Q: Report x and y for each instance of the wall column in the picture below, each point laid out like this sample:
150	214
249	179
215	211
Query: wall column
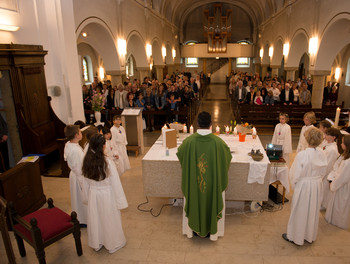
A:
205	65
116	76
143	72
257	67
275	69
263	70
318	83
229	66
290	73
159	72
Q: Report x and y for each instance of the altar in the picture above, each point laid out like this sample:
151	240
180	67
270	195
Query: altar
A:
162	173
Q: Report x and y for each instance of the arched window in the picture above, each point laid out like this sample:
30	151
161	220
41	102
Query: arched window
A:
347	79
85	70
130	67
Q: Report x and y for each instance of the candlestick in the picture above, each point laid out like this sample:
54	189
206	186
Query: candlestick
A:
235	131
191	129
337	115
230	128
185	129
227	130
217	129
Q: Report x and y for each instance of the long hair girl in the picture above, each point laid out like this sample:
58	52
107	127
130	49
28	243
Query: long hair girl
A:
94	164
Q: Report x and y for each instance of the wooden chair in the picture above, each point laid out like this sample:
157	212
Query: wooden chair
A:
44	227
5	233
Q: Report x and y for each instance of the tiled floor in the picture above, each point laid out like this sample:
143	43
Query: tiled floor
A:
249	237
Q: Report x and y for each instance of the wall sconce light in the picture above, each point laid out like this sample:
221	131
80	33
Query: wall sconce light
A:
163	53
270	52
285	49
149	50
101	72
337	73
9	27
174	53
261	53
313	42
151	66
122	50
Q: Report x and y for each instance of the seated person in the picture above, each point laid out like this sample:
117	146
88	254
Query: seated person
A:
140	102
269	98
258	100
287	95
250	96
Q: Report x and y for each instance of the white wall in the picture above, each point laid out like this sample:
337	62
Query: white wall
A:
50	23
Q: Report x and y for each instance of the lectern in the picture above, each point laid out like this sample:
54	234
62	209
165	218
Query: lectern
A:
132	123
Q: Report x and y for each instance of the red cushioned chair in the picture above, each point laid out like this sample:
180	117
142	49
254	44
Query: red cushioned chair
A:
44	227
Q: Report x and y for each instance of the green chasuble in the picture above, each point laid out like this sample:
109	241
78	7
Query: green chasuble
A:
205	161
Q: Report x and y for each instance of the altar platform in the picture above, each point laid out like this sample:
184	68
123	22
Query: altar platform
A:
162	174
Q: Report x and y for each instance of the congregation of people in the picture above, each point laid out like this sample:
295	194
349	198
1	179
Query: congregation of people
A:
249	88
175	92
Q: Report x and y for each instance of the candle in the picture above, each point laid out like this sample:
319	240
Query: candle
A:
337	115
235	131
254	133
217	129
230	128
227	130
191	129
185	129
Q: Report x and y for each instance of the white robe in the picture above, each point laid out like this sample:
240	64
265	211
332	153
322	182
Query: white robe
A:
119	143
302	144
338	206
306	175
111	153
283	136
74	155
105	199
331	151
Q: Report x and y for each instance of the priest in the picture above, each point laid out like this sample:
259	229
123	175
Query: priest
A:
205	160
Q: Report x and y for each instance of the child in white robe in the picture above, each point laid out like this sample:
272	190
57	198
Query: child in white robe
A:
306	175
74	155
119	143
338	206
89	132
283	136
324	126
104	195
109	151
330	148
309	120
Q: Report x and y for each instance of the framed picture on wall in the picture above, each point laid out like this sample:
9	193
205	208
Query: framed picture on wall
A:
11	5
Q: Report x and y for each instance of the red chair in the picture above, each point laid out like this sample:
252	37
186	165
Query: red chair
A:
44	227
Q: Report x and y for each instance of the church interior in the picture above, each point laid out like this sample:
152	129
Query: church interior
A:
50	49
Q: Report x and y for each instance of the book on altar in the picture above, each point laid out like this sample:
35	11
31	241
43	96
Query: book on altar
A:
169	138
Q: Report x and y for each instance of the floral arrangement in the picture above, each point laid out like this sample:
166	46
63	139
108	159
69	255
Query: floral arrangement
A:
97	102
244	128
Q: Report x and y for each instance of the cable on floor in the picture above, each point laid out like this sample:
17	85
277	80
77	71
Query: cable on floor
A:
151	210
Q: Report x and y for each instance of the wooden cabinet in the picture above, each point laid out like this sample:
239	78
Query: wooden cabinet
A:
38	126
